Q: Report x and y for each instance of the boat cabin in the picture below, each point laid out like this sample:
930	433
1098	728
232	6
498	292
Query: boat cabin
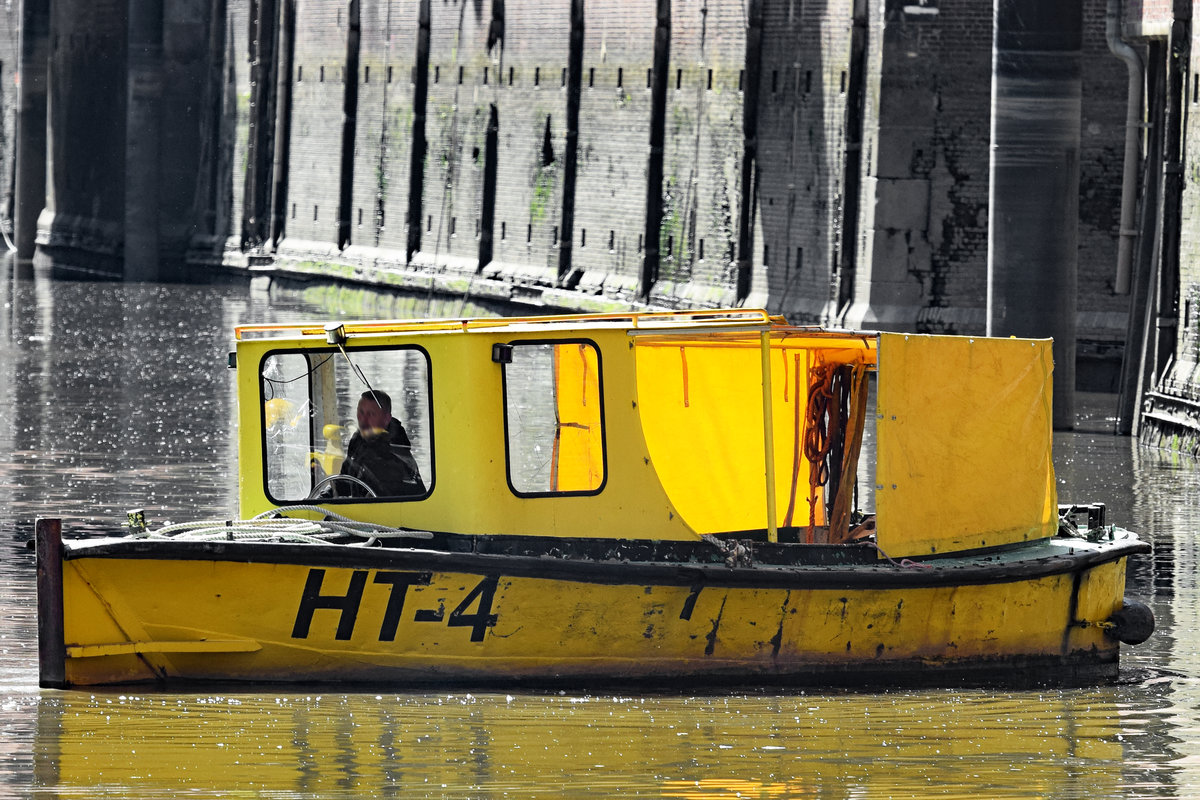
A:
658	426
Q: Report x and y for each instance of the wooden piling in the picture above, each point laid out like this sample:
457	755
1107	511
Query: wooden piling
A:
52	648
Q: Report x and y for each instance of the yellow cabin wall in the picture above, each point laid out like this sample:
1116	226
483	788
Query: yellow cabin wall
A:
470	488
579	452
250	470
963	431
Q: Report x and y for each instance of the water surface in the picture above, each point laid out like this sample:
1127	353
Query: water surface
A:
117	396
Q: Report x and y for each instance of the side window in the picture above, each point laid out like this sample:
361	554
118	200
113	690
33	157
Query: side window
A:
287	424
553	418
323	440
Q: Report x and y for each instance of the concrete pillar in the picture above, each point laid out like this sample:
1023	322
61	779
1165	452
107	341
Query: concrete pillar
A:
487	214
571	146
416	171
31	125
892	280
283	119
349	127
654	167
260	140
1166	323
143	128
1034	197
749	187
186	129
842	285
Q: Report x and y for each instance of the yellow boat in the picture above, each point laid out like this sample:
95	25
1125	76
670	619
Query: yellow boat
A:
665	498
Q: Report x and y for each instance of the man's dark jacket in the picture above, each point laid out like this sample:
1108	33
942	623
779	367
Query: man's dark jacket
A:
384	462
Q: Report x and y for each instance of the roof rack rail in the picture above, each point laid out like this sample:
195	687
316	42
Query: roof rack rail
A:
638	319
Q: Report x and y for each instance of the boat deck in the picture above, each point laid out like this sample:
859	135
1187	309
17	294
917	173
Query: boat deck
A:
718	561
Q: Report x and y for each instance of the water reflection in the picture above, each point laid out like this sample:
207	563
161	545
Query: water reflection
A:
113	402
116	396
1057	745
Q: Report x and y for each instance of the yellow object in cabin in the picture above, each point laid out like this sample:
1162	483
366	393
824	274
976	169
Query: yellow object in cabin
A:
278	412
330	459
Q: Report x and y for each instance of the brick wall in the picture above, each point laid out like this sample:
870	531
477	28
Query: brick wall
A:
456	124
921	244
802	114
921	247
614	143
318	92
383	135
923	251
531	102
702	158
1102	313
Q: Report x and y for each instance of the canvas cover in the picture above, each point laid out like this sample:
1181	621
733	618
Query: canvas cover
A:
964	443
700	399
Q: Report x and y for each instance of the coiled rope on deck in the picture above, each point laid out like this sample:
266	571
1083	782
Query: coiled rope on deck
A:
272	526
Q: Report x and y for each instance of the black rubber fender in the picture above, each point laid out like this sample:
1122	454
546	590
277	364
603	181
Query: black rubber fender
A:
1133	623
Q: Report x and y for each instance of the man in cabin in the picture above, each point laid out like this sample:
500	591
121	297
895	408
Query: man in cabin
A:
379	453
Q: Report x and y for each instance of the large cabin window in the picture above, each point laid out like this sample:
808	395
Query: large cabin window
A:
324	441
554	419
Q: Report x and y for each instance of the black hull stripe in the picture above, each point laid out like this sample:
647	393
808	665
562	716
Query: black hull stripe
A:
615	573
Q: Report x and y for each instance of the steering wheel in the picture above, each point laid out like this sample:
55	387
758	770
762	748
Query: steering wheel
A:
329	479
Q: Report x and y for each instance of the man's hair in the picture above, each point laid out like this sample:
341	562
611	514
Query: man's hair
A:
382	398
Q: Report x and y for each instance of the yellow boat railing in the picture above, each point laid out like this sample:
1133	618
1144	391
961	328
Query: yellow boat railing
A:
753	318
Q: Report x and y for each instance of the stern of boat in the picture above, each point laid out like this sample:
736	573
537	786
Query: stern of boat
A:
79	641
91	620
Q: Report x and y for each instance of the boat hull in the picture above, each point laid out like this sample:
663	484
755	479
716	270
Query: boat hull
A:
155	612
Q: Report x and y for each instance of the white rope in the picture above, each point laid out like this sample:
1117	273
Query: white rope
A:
272	526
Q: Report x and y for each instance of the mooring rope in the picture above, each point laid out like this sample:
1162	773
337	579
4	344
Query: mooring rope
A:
272	526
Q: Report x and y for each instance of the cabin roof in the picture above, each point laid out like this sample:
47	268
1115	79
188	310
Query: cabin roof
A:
667	323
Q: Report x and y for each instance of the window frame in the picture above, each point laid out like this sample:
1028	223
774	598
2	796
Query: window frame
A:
514	343
264	477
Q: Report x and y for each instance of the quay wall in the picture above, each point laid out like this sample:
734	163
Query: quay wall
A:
827	161
752	214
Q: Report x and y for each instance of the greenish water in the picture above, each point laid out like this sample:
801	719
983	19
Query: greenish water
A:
116	396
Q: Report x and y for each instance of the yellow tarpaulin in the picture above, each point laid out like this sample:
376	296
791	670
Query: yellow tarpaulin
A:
964	443
701	414
701	405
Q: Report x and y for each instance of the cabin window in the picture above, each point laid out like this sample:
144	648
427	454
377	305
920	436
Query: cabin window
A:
554	418
312	446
